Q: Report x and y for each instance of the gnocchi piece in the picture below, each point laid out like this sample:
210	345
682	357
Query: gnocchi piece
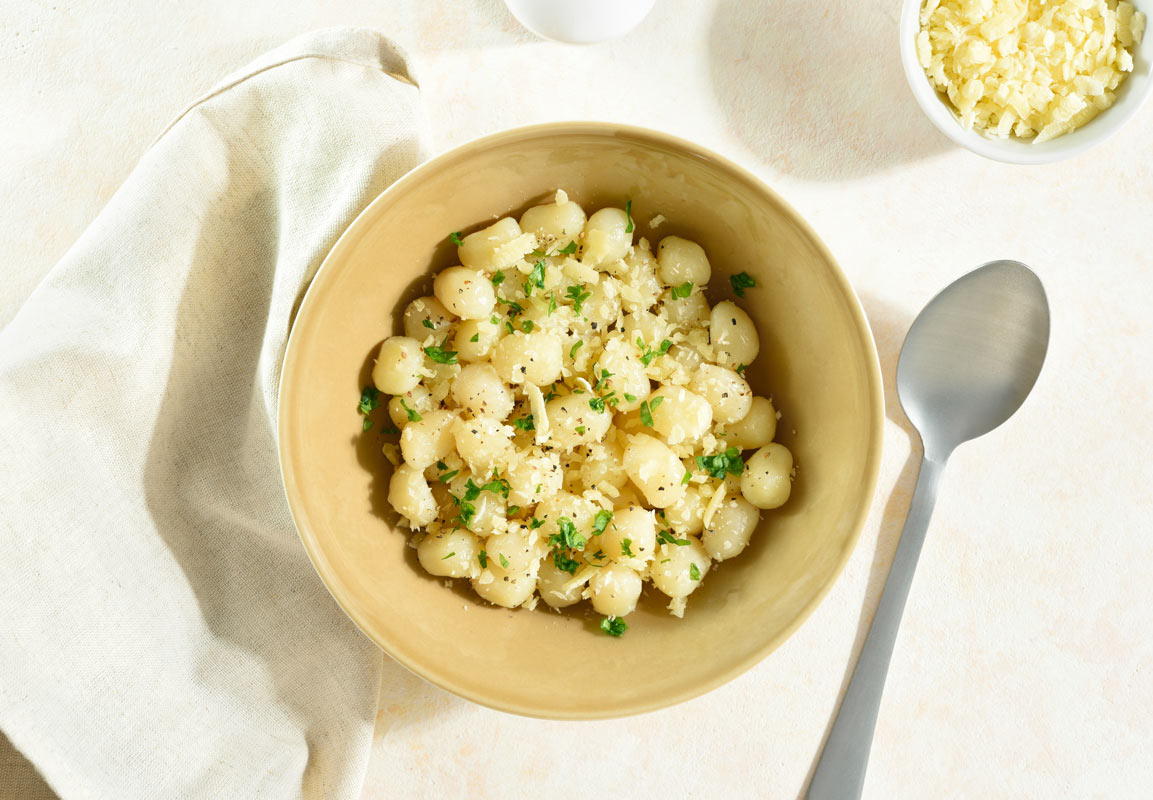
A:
682	260
535	358
483	443
424	317
655	469
767	479
452	554
509	580
686	516
727	392
480	392
686	311
680	415
733	335
558	588
730	528
398	365
607	237
404	407
498	246
559	222
572	421
475	338
429	440
756	429
678	570
631	535
615	590
410	495
625	374
534	479
465	292
602	465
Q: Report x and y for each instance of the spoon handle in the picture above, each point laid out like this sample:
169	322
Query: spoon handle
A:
840	774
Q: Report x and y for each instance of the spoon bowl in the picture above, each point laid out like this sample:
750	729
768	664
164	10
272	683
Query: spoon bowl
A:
968	363
973	354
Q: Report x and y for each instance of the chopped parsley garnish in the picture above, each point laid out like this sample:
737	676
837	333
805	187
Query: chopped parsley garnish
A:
441	465
439	354
535	278
413	416
426	322
512	510
496	486
721	464
564	562
647	355
683	291
630	398
601	521
482	557
455	238
514	307
572	352
504	561
597	404
551	302
578	297
568	535
627	547
688	477
647	409
742	281
369	399
445	477
526	326
498	277
629	213
535	523
694	572
667	537
467	512
475	337
581	429
614	626
524	423
366	425
741	368
605	375
568	249
508	325
389	429
450	555
494	319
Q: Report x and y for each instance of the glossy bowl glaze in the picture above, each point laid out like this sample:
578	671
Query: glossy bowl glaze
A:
817	361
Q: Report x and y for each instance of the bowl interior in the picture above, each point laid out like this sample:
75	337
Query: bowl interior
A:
1130	95
817	361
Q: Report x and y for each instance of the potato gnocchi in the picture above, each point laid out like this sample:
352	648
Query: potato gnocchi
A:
574	418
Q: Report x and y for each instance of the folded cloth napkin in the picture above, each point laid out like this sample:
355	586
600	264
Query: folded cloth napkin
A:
163	633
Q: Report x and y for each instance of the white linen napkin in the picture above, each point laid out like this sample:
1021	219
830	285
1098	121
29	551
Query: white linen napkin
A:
163	633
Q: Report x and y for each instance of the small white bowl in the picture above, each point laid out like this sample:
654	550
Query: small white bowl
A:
1130	95
580	21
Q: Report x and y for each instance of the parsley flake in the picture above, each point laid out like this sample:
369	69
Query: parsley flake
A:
647	409
439	354
629	213
527	326
455	238
475	337
742	281
525	423
627	548
498	278
445	477
568	249
578	297
601	521
572	352
694	572
741	368
450	555
413	416
369	399
721	464
683	291
504	561
614	626
688	477
426	322
482	557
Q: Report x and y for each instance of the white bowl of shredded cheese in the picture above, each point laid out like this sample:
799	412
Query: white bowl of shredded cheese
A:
1027	81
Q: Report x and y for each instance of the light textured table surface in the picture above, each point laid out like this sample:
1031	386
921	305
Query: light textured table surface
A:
1023	664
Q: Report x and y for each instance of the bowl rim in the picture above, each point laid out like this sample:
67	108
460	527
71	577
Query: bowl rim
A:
1012	150
302	522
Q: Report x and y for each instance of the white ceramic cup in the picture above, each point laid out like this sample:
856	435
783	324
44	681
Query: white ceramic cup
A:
580	21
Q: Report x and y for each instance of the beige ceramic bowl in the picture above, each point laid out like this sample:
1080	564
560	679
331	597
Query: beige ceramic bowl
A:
817	361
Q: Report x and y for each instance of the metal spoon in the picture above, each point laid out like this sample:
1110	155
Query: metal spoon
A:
970	359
